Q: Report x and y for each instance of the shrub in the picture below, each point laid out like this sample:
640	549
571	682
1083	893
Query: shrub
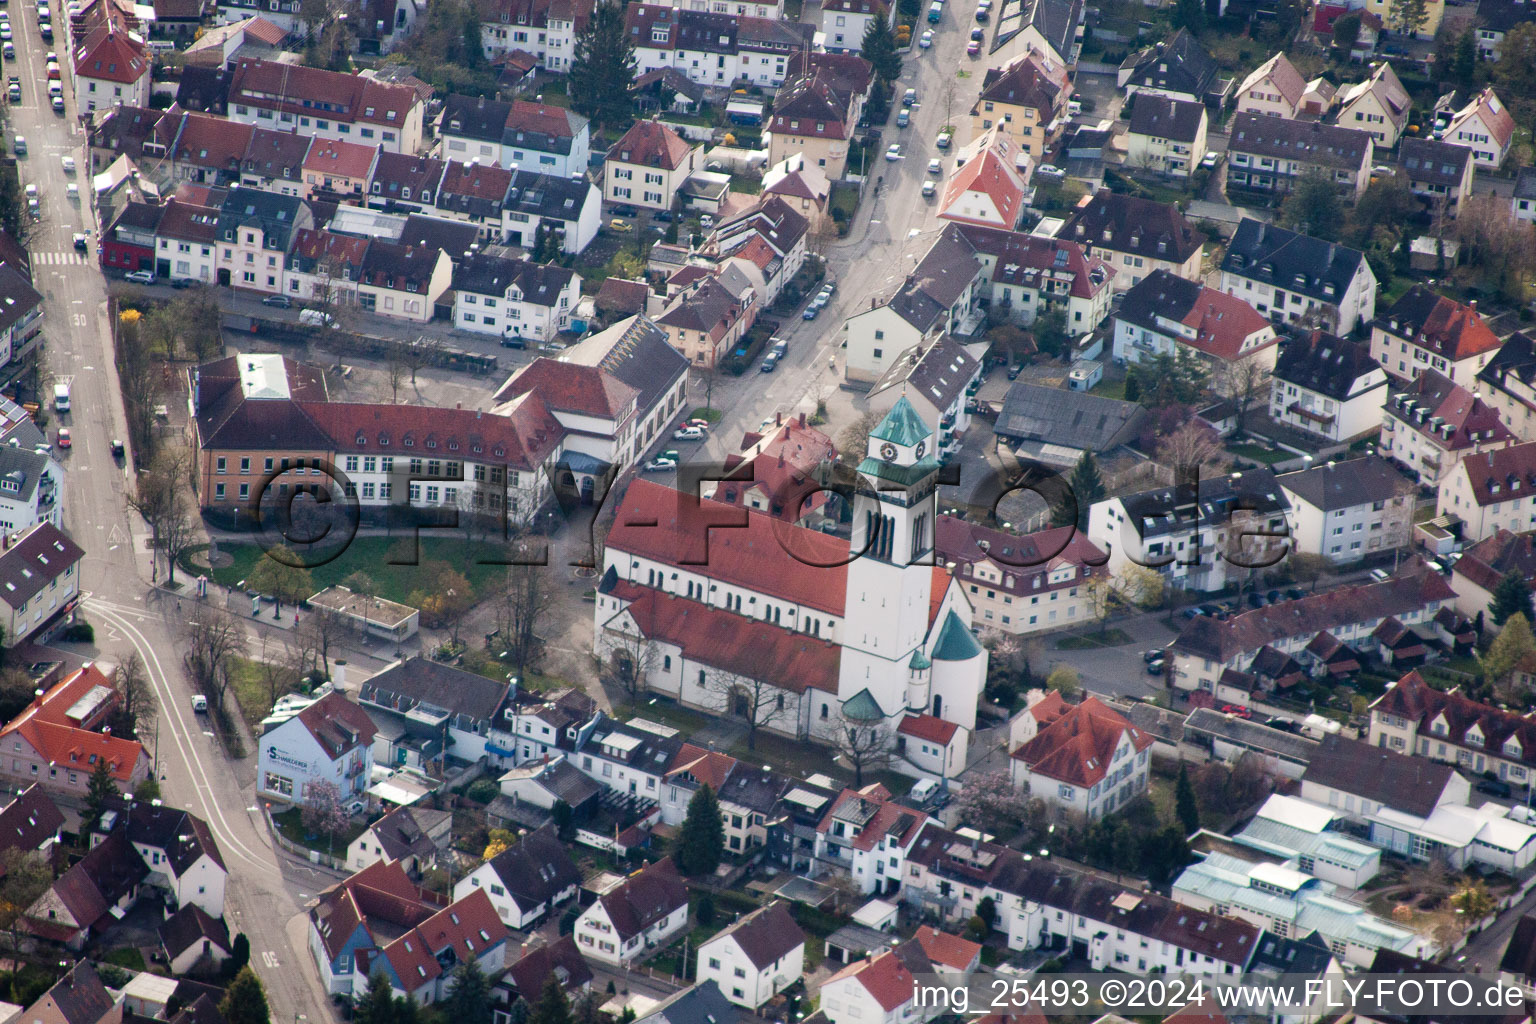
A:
482	791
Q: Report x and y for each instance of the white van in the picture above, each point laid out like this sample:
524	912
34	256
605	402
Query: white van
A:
61	397
315	318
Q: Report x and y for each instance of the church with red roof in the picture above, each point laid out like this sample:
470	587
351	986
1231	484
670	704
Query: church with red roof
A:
712	600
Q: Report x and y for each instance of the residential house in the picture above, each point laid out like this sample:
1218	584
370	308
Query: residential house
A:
177	849
1494	19
328	741
1273	89
1207	647
756	958
989	184
475	193
1328	387
1432	424
1291	277
1053	28
1486	491
810	118
1167	135
559	959
766	243
1168	315
935	378
518	135
31	822
1020	584
339	168
1518	965
405	181
1058	426
255	234
647	166
1424	330
545	728
1485	126
844	23
527	880
804	188
1477	573
1179	69
21	314
705	322
324	267
327	105
1271	154
695	1004
1437	171
1379	105
78	997
537	34
411	835
1393	15
881	989
949	954
868	835
192	939
1195	533
186	242
111	66
570	207
533	788
376	922
780	471
716	49
128	243
60	737
1028	97
513	299
646	910
1509	383
1523	199
402	282
39	569
1345	511
1090	760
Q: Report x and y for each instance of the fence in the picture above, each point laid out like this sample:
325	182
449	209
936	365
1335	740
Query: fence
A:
313	856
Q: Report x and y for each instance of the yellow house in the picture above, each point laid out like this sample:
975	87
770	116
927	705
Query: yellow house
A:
1390	13
1026	97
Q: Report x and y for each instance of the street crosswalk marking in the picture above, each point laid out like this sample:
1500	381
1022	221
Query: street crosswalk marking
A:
60	259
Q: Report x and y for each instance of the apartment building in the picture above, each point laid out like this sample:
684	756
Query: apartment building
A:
1292	277
1328	387
1165	315
327	104
1028	97
1346	511
1020	584
1090	760
1494	489
1424	330
1432	424
648	165
1138	237
1271	154
1167	136
1413	717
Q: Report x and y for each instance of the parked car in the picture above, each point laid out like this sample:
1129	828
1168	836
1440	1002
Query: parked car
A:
978	35
688	434
1496	787
1192	613
199	703
117	449
1236	710
1380	575
618	225
19	145
935	166
140	276
81	240
1282	724
909	97
280	301
903	117
1155	654
926	39
625	211
1295	593
1209	160
64	438
69	165
182	282
1014	371
1155	668
973	48
770	361
811	312
946	136
58	104
659	465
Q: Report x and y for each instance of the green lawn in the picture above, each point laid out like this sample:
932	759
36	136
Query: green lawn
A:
291	824
704	412
373	555
249	688
1110	389
1268	456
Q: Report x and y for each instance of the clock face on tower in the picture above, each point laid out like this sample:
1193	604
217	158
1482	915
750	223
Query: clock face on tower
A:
922	446
888	452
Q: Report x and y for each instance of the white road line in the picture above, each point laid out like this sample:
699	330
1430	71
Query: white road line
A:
181	734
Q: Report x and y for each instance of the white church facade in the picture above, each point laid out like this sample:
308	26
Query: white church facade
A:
739	613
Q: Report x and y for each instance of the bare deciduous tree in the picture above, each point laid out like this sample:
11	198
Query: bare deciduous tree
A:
159	497
524	604
279	665
1244	381
630	660
758	703
138	698
214	637
865	745
853	442
419	354
1193	446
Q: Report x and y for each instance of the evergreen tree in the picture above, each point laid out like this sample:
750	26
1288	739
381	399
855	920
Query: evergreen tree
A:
101	790
1184	796
469	1000
1314	207
1132	388
702	838
1512	594
879	48
239	955
378	1003
1087	486
552	1006
245	1001
1189	14
518	1011
1464	60
602	68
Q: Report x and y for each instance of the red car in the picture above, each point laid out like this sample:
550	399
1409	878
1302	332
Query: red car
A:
64	441
1236	709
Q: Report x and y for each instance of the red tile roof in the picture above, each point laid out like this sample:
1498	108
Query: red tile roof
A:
739	546
731	643
709	767
468	927
296	89
343	159
1223	323
1414	699
536	117
885	978
784	470
1502	474
110	54
571	387
990	175
47	726
522	435
651	144
947	950
212	142
479	181
1465	420
926	727
1077	747
1441	325
338	724
889	821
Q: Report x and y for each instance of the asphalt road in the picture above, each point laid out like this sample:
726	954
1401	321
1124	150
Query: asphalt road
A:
265	889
